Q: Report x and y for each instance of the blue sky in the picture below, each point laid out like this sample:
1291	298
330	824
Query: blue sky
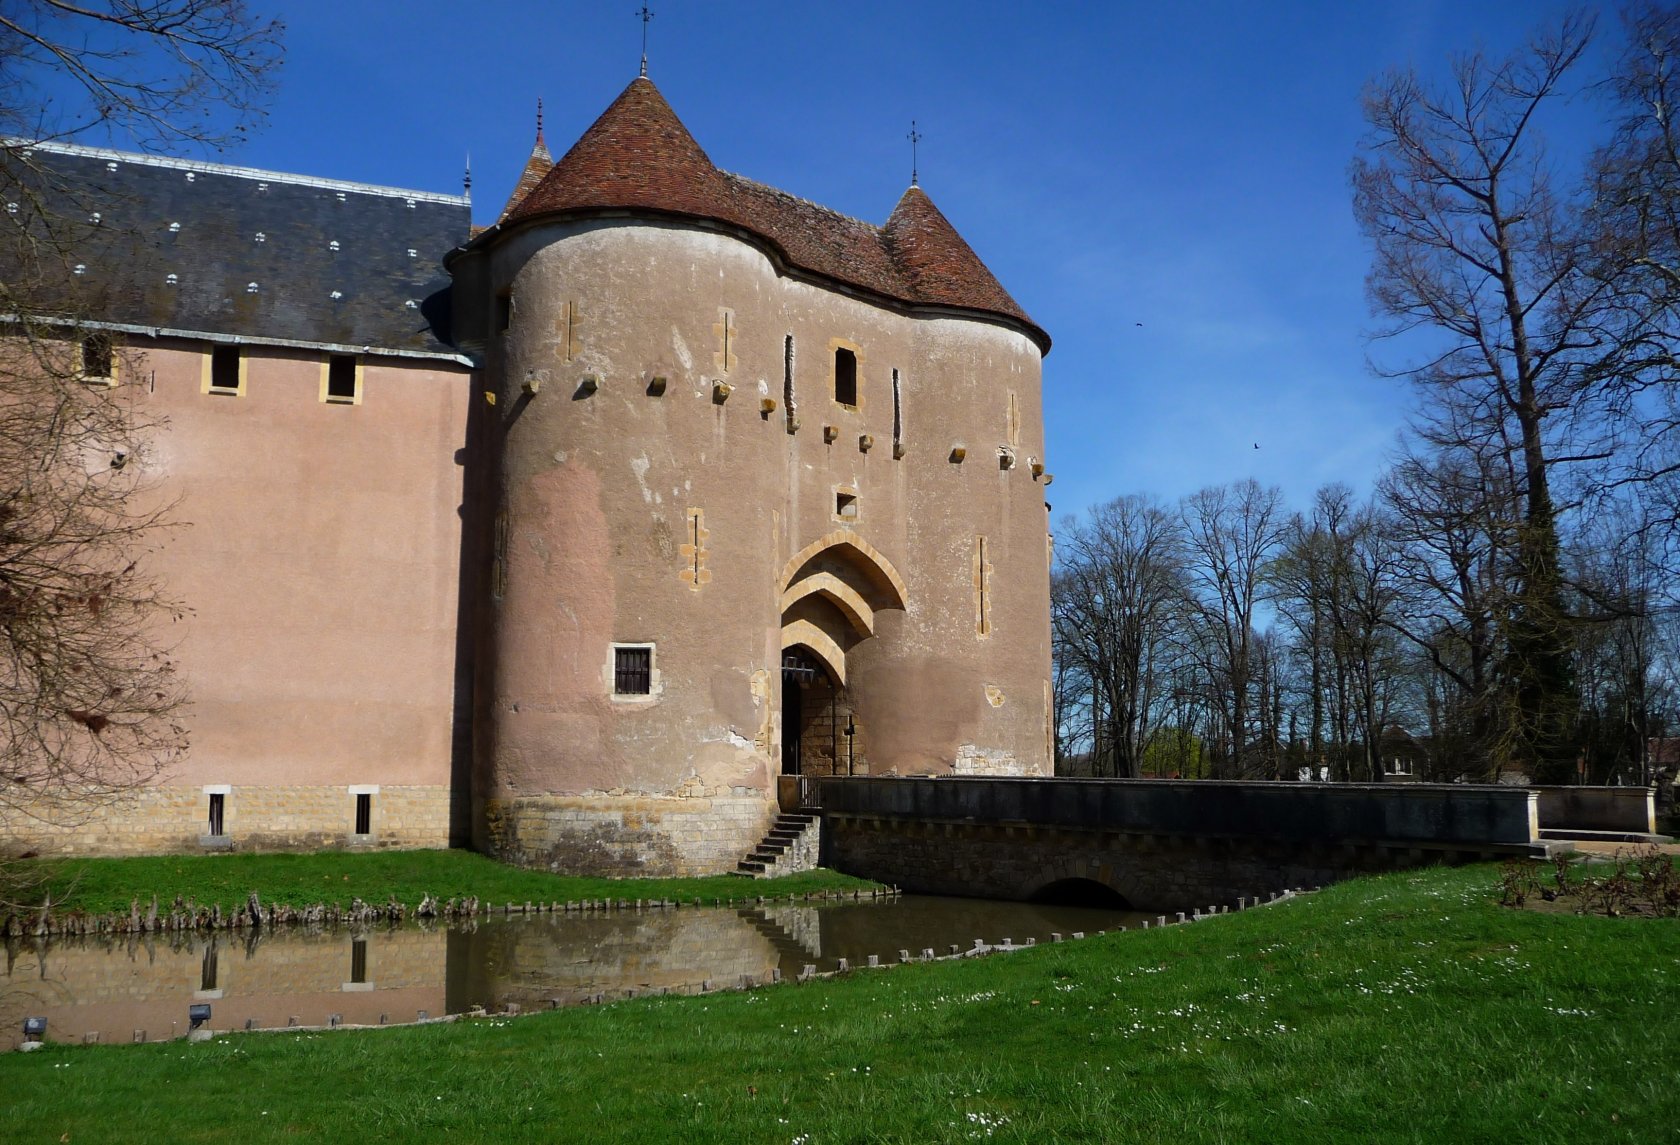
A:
1182	166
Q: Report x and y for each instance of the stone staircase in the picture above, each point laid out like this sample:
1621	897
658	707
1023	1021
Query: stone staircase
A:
793	844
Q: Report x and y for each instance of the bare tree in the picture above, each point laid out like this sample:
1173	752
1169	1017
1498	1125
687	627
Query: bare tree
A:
1230	534
1473	243
1453	516
1118	591
88	699
162	72
1336	582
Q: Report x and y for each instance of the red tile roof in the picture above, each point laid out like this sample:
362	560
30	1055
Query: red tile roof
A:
538	165
638	155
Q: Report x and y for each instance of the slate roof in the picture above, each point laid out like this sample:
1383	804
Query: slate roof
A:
189	247
638	155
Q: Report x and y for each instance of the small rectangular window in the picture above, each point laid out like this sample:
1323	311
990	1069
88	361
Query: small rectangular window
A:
364	814
98	361
358	961
846	506
845	377
504	311
218	805
227	373
343	385
207	973
633	671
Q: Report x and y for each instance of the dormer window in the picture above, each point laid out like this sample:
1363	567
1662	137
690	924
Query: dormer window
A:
224	371
341	380
98	360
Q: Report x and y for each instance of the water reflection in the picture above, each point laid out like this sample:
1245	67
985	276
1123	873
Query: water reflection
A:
128	987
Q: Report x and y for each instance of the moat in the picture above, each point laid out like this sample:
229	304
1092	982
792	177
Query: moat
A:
123	988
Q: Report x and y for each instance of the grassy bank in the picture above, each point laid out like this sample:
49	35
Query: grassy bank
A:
1401	1008
103	886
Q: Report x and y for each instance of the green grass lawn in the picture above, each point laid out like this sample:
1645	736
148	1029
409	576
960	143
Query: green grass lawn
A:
1402	1008
102	886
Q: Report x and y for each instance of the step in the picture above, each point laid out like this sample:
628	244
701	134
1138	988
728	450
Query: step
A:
1579	835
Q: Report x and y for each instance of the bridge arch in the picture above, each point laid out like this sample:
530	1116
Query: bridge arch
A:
1080	875
1080	892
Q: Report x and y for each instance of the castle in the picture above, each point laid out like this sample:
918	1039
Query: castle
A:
676	486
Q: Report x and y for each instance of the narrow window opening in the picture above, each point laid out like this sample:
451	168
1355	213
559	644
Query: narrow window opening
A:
845	377
1012	422
983	604
846	506
208	972
341	378
725	328
898	412
224	369
358	960
218	806
364	814
97	358
633	671
787	384
504	311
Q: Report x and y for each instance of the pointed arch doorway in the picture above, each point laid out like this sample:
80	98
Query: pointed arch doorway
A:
831	593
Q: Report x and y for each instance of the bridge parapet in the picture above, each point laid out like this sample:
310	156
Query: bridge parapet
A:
1413	813
1161	845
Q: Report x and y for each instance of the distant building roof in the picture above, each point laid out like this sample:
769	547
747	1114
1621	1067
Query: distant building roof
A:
204	248
638	155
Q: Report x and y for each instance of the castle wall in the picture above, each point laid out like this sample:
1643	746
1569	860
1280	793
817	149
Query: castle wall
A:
650	491
316	548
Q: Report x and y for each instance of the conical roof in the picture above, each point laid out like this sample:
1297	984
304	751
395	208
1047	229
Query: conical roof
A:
939	265
639	156
538	165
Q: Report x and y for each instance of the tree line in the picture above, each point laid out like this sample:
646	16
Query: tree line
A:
1505	599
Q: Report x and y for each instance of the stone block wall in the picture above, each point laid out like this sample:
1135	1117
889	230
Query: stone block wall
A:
624	836
171	820
1630	809
1152	872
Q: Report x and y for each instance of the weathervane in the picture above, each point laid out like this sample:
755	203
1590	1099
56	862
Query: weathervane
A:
646	15
914	137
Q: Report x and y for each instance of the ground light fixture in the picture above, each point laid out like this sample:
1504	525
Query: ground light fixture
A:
34	1029
198	1013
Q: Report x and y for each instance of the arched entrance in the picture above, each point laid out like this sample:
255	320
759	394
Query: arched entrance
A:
831	592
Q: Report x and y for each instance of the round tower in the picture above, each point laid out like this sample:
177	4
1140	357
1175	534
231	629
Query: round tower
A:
761	495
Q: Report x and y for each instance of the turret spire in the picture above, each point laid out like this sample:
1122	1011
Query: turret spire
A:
647	15
914	137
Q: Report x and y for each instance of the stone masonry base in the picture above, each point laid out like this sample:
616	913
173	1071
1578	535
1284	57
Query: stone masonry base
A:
627	835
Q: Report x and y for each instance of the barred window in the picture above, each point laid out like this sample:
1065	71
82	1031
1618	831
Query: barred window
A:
633	670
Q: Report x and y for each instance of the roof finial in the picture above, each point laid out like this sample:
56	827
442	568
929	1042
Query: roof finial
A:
914	137
539	119
647	15
466	179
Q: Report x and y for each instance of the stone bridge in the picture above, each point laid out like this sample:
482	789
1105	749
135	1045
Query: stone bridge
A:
1159	845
